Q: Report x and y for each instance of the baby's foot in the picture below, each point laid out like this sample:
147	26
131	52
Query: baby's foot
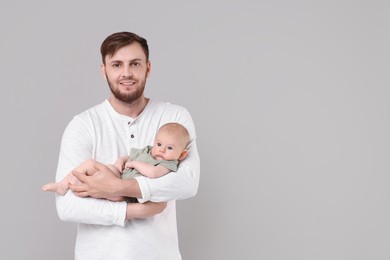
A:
54	187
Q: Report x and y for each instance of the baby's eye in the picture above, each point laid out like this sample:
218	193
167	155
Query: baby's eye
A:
158	144
170	148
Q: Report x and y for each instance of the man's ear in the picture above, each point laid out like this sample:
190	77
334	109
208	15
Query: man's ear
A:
148	68
183	155
103	69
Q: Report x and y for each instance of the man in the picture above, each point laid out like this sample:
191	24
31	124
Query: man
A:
110	229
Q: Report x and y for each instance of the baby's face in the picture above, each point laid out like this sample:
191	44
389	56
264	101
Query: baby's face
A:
167	147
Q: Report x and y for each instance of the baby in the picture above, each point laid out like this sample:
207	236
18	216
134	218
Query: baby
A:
169	148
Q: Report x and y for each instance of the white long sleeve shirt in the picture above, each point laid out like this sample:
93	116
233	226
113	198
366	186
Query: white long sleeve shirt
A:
101	133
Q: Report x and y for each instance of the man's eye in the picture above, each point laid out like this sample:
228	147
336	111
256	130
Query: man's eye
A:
135	64
115	65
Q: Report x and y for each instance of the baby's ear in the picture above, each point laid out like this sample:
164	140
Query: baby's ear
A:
183	155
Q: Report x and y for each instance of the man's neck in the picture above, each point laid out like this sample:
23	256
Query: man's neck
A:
133	109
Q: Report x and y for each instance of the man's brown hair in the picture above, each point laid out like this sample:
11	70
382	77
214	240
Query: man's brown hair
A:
118	40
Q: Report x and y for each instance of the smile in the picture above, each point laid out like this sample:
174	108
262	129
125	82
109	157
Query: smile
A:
127	82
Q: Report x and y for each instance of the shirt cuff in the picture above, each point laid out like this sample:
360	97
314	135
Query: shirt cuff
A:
144	188
121	214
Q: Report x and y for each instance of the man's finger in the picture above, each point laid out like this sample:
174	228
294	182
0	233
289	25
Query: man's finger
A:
79	175
77	187
100	166
82	194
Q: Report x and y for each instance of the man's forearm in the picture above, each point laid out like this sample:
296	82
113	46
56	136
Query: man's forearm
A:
173	186
90	211
105	185
144	210
128	188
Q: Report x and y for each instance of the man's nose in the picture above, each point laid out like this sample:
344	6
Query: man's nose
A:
127	72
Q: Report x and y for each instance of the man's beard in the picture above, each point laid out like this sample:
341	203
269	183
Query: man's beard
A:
127	97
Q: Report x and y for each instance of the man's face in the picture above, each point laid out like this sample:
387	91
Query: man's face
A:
126	73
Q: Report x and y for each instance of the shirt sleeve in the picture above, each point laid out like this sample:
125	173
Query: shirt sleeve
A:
181	184
76	147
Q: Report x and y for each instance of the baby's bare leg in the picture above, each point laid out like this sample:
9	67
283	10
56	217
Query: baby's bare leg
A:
62	186
87	167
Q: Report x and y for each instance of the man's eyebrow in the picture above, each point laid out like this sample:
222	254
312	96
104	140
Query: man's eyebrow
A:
116	61
121	61
137	59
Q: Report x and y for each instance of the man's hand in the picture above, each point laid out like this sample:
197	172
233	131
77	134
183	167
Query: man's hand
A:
102	184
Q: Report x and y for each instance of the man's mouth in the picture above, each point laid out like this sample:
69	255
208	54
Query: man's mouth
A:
127	82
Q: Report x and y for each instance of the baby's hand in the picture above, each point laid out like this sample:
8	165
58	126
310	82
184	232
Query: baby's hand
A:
120	163
129	165
119	166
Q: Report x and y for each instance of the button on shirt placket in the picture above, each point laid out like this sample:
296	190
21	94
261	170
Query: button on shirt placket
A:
133	136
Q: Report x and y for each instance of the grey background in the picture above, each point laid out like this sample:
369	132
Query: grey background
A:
290	102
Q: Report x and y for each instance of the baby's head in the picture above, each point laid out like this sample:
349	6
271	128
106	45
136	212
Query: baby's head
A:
171	142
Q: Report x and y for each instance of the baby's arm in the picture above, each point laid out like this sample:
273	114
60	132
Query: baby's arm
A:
146	169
